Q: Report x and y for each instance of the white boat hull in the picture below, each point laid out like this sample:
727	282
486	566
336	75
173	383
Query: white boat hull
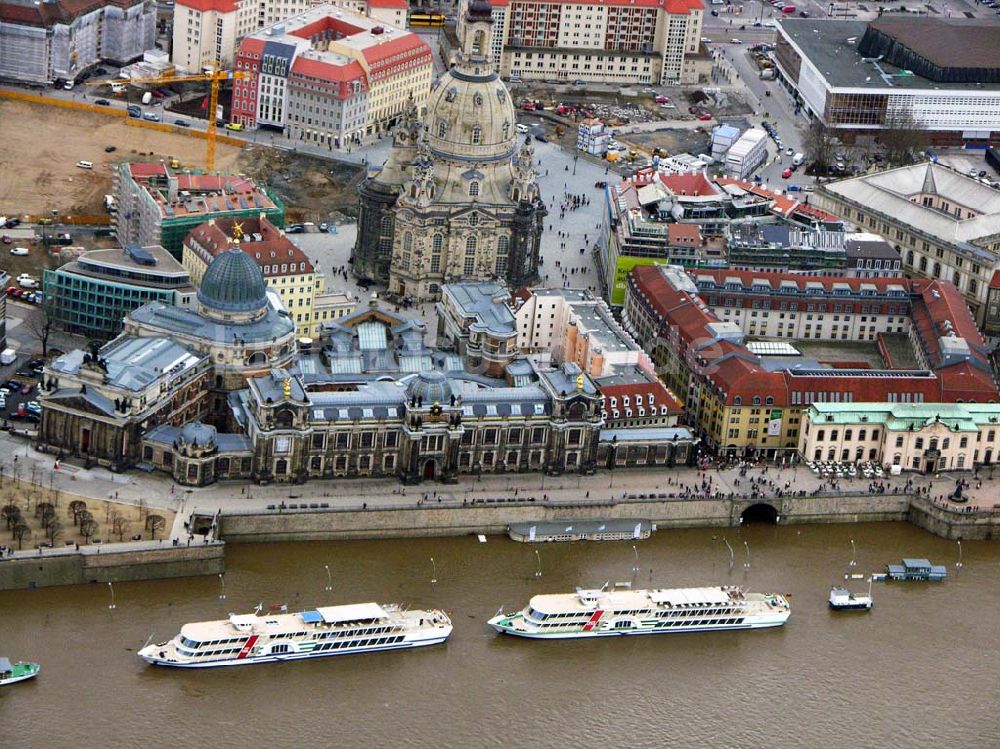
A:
148	654
763	623
15	679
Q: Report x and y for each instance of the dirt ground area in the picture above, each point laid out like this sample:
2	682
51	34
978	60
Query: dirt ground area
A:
693	142
112	519
311	188
41	146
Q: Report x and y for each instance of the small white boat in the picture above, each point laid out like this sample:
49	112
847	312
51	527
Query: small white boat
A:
841	599
10	673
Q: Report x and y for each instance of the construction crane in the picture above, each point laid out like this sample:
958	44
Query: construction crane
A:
214	77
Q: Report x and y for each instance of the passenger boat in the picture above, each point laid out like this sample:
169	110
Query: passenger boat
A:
11	673
270	637
622	611
841	599
917	569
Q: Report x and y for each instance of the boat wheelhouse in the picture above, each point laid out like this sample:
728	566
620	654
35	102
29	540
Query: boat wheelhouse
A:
328	630
622	611
841	599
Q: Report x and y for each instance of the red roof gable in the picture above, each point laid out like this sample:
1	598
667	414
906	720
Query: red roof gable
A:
400	44
400	4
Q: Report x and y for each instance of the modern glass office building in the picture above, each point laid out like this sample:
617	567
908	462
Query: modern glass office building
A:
92	294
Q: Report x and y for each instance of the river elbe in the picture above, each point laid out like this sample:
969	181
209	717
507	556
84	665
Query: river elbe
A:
921	670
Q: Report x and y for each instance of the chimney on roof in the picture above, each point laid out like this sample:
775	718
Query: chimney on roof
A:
171	188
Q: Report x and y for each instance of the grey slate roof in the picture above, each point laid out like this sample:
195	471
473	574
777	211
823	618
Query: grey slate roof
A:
169	318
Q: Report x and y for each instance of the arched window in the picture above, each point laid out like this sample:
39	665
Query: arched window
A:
442	128
769	400
470	245
477	135
258	357
436	244
407	242
738	401
506	130
756	400
386	226
503	247
478	43
473	188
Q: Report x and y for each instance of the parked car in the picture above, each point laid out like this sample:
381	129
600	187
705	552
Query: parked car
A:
33	407
12	289
182	123
13	385
704	116
27	282
294	229
27	389
151	117
20	251
234	126
11	223
102	103
7	239
541	138
110	149
662	99
134	111
786	174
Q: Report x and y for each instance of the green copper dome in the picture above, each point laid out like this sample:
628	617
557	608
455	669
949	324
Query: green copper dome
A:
233	283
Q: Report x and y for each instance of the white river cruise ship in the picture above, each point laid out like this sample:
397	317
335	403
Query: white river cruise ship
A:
622	611
269	637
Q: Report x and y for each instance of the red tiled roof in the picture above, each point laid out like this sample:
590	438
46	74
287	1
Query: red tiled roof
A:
324	24
273	250
777	278
661	396
399	44
143	170
688	184
220	6
735	372
400	4
684	234
327	70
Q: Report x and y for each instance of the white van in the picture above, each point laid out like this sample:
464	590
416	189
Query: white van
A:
798	158
9	356
85	164
521	128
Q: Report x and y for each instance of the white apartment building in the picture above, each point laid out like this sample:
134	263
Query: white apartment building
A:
207	30
617	41
330	77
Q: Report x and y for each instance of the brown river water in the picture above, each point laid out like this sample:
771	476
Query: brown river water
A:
921	670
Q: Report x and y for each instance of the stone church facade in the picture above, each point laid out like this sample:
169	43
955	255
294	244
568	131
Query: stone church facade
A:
458	197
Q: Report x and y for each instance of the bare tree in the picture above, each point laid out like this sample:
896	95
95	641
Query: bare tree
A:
11	515
902	137
119	524
76	507
88	527
20	531
820	144
40	323
155	523
53	529
42	509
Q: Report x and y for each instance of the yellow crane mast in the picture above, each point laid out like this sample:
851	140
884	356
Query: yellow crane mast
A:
214	78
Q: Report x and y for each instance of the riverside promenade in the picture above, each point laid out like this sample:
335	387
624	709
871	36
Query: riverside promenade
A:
762	484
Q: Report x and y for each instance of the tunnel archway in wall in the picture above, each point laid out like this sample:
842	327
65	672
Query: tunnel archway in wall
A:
762	512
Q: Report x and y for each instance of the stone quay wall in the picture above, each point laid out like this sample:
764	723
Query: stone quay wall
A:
111	566
451	519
